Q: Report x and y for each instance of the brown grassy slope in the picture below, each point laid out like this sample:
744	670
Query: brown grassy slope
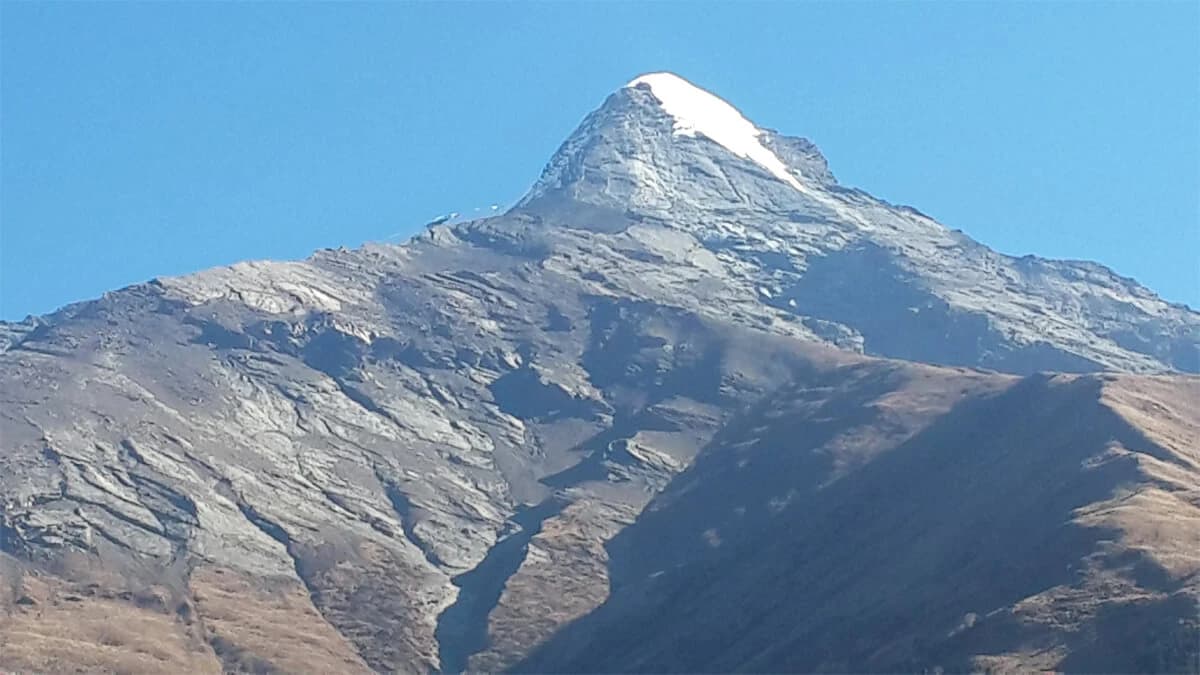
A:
97	624
1162	518
223	621
1023	529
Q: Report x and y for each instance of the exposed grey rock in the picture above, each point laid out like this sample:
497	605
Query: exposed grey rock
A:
377	425
909	286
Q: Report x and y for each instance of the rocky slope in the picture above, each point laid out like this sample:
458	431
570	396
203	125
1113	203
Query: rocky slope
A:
1066	537
412	457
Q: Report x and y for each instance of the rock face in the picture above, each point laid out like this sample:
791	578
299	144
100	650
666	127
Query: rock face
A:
436	456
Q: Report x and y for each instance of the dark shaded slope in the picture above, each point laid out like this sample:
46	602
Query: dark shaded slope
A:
971	544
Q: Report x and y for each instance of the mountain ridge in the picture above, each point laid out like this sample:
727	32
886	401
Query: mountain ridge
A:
424	457
826	221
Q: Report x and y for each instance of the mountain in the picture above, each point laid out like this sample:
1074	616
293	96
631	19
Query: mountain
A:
833	263
689	405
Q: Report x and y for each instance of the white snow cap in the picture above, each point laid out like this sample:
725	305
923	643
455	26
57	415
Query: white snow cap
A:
698	111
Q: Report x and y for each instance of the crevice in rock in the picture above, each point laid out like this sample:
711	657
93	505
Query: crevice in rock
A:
462	628
124	518
403	507
106	535
366	402
275	531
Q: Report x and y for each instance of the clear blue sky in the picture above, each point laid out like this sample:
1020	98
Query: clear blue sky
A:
156	139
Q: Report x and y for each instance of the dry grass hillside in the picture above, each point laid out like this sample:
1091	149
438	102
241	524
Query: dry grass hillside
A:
1047	523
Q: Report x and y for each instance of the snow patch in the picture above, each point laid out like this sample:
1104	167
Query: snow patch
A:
697	111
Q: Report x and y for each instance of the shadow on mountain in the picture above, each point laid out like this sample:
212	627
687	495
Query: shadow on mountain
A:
864	287
771	560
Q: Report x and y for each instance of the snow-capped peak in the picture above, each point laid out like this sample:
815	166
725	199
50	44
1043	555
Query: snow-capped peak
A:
697	111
